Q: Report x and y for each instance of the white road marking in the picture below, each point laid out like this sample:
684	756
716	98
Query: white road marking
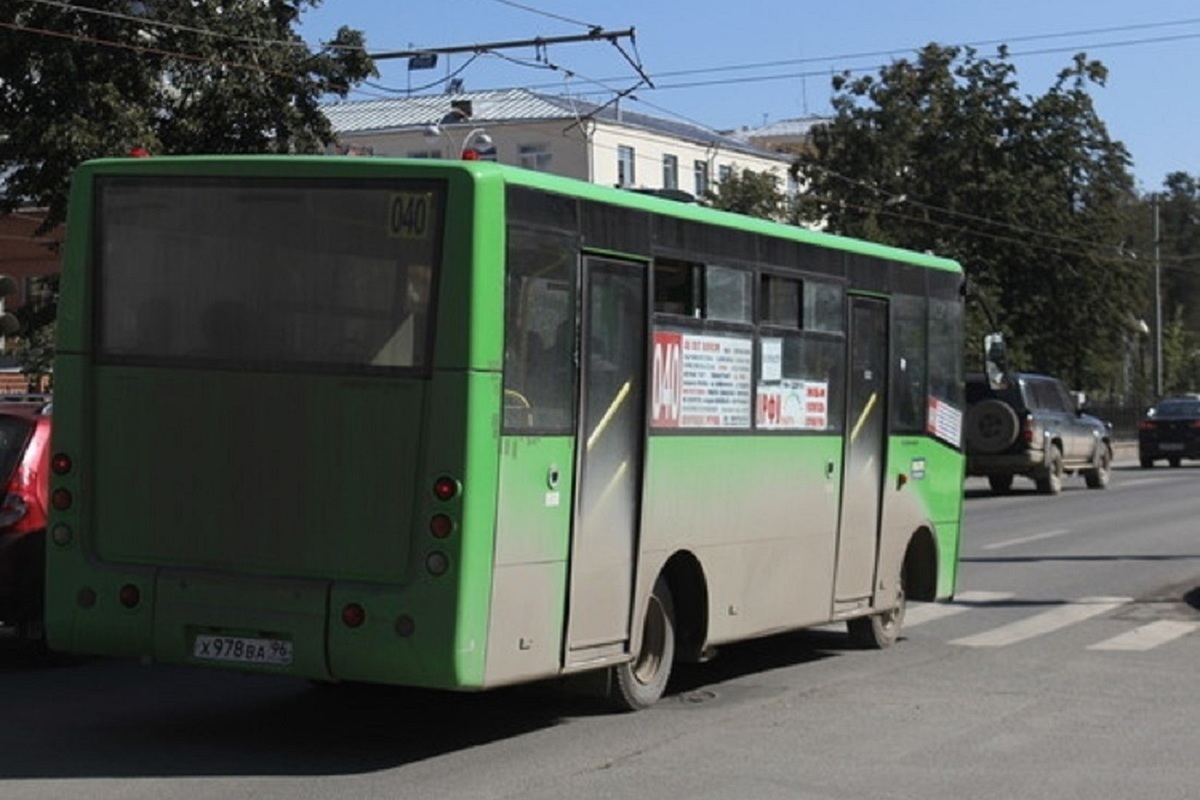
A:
963	601
1148	636
1043	623
1024	539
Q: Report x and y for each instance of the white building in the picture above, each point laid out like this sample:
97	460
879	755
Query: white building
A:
601	144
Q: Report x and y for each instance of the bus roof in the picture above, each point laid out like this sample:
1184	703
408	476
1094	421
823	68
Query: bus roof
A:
357	166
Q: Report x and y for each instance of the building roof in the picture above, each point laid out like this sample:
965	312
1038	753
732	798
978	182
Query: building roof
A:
509	106
780	129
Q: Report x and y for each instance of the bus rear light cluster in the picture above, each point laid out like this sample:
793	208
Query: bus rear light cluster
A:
61	499
446	488
60	463
437	563
441	526
61	534
353	615
130	595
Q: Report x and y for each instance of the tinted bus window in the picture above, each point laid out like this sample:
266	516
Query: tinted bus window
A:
540	345
254	273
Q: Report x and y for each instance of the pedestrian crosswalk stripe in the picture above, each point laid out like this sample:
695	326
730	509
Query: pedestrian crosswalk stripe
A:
964	601
1148	636
1046	622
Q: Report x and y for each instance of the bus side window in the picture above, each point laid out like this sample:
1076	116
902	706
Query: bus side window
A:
676	288
539	351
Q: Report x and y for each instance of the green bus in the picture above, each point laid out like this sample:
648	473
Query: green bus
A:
461	425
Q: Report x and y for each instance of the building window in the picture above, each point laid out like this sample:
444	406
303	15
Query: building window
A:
700	169
434	153
625	175
534	156
670	172
724	173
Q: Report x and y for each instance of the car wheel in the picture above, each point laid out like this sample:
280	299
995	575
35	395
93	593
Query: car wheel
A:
1050	482
1000	484
1098	476
1146	463
991	426
1174	461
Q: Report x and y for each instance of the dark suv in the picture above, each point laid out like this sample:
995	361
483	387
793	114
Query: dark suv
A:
1033	426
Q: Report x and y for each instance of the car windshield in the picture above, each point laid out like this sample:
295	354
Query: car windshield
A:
1177	408
14	433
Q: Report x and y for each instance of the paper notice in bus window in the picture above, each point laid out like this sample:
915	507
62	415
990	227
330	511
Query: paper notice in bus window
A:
772	360
410	215
701	381
945	421
793	405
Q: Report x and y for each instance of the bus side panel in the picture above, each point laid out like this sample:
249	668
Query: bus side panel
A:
759	513
532	543
923	490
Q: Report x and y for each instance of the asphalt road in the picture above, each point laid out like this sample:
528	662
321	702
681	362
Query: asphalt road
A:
1063	670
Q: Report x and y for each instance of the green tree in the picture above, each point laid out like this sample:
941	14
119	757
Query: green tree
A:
169	76
106	77
1029	193
755	194
1177	252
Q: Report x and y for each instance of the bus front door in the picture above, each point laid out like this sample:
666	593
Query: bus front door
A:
612	357
863	471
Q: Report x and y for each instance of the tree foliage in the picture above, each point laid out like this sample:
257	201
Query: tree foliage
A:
103	77
1029	193
754	194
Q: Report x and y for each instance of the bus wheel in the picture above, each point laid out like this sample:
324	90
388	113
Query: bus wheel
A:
639	683
878	631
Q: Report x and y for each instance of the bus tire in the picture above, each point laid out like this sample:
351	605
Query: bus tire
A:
640	682
879	631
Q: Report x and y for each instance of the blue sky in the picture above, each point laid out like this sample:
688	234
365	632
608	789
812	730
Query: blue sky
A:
702	57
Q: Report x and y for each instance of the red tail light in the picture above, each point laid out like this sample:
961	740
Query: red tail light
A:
441	526
130	595
61	499
445	488
1027	429
21	510
353	615
60	463
1146	425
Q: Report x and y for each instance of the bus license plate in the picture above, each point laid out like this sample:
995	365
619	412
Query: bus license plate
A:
242	649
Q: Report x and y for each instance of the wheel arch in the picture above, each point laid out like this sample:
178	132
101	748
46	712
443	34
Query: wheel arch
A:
689	592
921	565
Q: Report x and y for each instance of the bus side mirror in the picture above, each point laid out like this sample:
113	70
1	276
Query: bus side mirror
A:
995	359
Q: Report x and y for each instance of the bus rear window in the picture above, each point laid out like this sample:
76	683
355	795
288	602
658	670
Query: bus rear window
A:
260	273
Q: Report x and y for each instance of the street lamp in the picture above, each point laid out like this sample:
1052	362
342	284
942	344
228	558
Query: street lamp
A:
476	145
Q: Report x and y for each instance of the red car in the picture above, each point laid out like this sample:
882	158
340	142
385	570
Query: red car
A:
25	473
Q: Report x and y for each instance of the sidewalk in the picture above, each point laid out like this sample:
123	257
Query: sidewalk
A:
1125	452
